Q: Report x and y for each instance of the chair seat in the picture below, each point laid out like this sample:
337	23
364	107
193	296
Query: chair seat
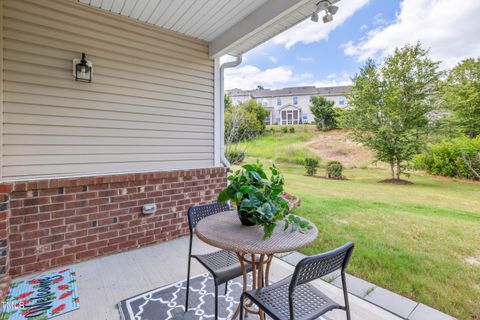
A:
309	302
224	265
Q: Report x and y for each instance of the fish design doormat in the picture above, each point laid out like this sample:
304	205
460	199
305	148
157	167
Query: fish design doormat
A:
42	297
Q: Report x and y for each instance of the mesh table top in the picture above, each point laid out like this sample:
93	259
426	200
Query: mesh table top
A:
224	230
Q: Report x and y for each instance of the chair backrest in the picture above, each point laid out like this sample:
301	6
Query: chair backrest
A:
317	266
197	213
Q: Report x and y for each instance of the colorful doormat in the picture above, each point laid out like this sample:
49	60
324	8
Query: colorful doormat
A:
42	297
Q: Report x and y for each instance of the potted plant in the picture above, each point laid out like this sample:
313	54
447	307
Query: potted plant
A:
258	199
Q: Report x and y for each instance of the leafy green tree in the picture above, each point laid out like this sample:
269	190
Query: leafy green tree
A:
461	94
227	101
324	113
390	105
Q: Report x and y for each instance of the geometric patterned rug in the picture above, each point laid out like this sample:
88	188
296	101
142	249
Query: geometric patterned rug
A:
168	303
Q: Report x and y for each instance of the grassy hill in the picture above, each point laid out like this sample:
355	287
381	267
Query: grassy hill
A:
420	240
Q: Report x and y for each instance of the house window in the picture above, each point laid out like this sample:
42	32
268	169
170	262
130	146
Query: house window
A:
290	117
295	100
265	102
279	101
341	101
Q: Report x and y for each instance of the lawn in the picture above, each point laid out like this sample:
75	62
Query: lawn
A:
420	240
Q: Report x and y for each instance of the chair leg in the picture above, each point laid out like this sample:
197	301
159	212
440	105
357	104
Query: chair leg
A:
345	296
188	284
226	287
216	301
241	307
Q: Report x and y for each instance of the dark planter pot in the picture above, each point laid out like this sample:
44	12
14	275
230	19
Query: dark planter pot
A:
244	218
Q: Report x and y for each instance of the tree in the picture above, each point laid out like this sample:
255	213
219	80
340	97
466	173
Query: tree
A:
390	103
242	123
461	94
324	113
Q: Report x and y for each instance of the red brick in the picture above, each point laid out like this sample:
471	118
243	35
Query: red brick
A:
86	254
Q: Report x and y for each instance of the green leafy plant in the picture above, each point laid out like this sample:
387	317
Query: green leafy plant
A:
259	195
334	170
235	156
291	130
284	130
311	166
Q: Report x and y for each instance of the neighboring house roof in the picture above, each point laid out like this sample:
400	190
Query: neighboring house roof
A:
292	91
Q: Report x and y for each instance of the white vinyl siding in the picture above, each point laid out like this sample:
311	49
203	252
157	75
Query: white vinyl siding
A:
150	105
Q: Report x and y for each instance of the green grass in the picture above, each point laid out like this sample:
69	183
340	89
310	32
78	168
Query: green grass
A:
281	147
412	239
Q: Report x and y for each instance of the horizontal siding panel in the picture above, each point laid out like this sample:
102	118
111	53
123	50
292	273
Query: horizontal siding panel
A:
34	150
40	100
113	77
15	143
47	80
33	160
11	87
60	131
100	123
150	105
65	170
15	108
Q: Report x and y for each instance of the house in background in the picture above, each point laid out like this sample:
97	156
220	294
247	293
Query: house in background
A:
290	105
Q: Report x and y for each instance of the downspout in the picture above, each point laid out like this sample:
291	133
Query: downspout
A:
231	64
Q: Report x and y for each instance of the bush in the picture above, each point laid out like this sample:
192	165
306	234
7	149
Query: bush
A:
447	158
291	130
284	130
235	157
311	166
334	170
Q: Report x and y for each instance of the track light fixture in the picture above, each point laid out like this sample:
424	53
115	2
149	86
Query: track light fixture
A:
330	10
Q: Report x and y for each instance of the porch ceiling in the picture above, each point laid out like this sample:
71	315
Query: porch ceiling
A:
230	26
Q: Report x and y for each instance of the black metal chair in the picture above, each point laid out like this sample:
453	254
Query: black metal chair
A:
223	265
294	298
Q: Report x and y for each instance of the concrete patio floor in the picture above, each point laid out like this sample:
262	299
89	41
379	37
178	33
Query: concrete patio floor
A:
104	281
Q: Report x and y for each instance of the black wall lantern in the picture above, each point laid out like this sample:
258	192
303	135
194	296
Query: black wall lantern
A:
82	69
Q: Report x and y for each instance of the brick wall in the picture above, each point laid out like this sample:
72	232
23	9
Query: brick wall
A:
4	243
61	221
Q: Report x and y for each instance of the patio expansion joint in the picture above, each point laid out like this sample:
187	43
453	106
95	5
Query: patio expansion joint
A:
387	300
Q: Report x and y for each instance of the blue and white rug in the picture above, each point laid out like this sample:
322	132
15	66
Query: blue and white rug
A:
168	303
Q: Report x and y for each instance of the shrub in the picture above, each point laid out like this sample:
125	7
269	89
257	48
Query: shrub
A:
451	158
291	130
284	130
311	166
272	131
235	157
334	170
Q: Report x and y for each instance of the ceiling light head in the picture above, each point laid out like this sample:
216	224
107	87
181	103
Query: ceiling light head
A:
315	17
327	18
332	9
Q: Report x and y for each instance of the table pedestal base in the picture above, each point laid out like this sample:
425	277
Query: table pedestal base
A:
260	272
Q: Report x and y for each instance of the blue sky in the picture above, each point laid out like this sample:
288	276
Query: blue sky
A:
329	54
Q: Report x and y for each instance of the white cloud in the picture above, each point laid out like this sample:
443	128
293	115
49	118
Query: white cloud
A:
309	31
332	80
305	59
449	28
249	77
363	27
273	59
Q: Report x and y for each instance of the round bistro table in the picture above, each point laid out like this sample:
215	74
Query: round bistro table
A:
224	230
